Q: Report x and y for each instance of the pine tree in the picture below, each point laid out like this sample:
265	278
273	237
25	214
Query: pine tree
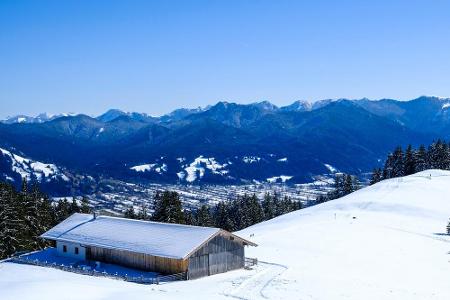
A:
168	208
398	163
421	159
85	208
222	218
203	217
338	191
31	228
321	199
410	161
10	223
268	207
376	176
130	213
255	210
62	210
143	212
188	217
348	185
388	167
74	208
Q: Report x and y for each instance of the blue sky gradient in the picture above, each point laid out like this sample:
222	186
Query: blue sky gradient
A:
154	56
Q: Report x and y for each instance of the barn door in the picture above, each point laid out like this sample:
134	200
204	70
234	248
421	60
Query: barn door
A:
198	266
217	263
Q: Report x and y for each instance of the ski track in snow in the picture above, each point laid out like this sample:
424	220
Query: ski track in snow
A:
254	286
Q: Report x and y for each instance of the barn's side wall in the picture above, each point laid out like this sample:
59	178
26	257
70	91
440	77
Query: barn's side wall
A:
137	260
219	255
70	250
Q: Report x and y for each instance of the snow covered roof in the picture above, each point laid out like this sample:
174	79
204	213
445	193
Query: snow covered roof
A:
153	238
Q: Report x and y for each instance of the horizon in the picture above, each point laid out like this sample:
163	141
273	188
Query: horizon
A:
94	115
85	56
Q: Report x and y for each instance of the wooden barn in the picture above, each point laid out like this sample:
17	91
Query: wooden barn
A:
151	246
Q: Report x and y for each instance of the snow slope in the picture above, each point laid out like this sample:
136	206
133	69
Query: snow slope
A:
386	241
27	167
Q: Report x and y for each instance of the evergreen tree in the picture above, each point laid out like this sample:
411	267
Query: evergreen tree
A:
255	211
321	199
74	208
398	163
85	208
348	185
62	210
31	227
203	217
222	217
168	208
10	223
410	161
388	167
188	217
268	207
421	159
143	212
130	213
376	176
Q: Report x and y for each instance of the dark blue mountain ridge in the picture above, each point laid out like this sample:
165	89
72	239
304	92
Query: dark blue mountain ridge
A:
232	143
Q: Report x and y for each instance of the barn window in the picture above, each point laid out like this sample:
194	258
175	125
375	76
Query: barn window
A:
231	238
76	250
64	248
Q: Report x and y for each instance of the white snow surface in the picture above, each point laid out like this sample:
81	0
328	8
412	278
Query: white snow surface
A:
385	241
143	168
196	169
150	167
330	168
282	178
158	239
26	167
251	159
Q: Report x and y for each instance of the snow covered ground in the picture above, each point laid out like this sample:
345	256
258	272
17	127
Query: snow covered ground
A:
386	241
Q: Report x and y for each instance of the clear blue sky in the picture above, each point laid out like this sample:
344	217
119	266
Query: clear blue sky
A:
154	56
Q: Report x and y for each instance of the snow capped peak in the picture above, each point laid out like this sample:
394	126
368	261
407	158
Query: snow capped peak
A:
40	118
265	105
299	105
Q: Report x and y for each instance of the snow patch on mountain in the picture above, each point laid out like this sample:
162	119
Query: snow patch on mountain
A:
284	159
158	168
196	169
445	105
27	168
330	168
281	178
251	159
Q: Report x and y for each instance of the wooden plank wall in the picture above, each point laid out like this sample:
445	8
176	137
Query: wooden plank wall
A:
137	260
219	255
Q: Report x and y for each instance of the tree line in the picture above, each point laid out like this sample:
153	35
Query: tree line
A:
401	163
27	213
344	184
233	215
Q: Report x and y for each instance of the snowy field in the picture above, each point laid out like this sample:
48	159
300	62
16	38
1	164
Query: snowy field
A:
386	241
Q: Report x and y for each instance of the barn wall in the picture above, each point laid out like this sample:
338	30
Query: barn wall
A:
217	256
137	260
70	250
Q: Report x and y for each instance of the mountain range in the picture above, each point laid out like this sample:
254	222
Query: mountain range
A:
229	142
